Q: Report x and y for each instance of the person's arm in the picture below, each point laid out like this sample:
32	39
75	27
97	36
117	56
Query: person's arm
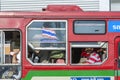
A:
14	59
15	53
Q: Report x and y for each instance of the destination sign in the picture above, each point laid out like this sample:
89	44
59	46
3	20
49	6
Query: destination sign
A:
114	26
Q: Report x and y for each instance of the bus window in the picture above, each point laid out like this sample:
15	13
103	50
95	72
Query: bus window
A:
88	52
10	67
12	47
46	41
89	27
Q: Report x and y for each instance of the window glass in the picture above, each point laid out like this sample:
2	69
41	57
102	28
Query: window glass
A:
88	53
46	41
89	27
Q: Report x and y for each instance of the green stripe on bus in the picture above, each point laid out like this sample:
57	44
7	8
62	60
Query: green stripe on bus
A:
69	73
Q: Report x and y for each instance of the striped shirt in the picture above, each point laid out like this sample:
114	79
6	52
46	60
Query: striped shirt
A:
94	58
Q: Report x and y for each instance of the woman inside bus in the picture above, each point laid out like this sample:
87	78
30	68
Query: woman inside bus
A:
92	56
16	57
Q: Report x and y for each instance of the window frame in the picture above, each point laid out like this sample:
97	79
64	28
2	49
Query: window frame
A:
46	64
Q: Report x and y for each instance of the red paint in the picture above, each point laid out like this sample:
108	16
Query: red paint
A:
61	8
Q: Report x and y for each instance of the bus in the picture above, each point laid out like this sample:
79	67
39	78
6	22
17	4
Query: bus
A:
62	42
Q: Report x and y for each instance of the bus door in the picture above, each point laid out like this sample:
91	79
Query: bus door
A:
117	56
10	55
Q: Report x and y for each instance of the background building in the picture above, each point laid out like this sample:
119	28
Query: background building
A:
36	5
115	5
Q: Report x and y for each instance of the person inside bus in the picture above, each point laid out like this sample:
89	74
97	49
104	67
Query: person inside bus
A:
16	56
102	52
93	57
84	53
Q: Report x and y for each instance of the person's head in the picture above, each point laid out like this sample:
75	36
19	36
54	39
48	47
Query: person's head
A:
89	50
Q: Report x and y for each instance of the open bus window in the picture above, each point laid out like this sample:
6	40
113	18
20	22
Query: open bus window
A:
10	51
88	53
46	41
12	47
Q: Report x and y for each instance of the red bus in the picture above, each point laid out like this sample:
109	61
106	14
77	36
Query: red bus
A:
60	43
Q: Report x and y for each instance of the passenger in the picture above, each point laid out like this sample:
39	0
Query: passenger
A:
93	58
84	54
102	53
16	56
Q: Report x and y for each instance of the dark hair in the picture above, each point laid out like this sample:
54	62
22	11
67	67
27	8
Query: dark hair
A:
90	50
